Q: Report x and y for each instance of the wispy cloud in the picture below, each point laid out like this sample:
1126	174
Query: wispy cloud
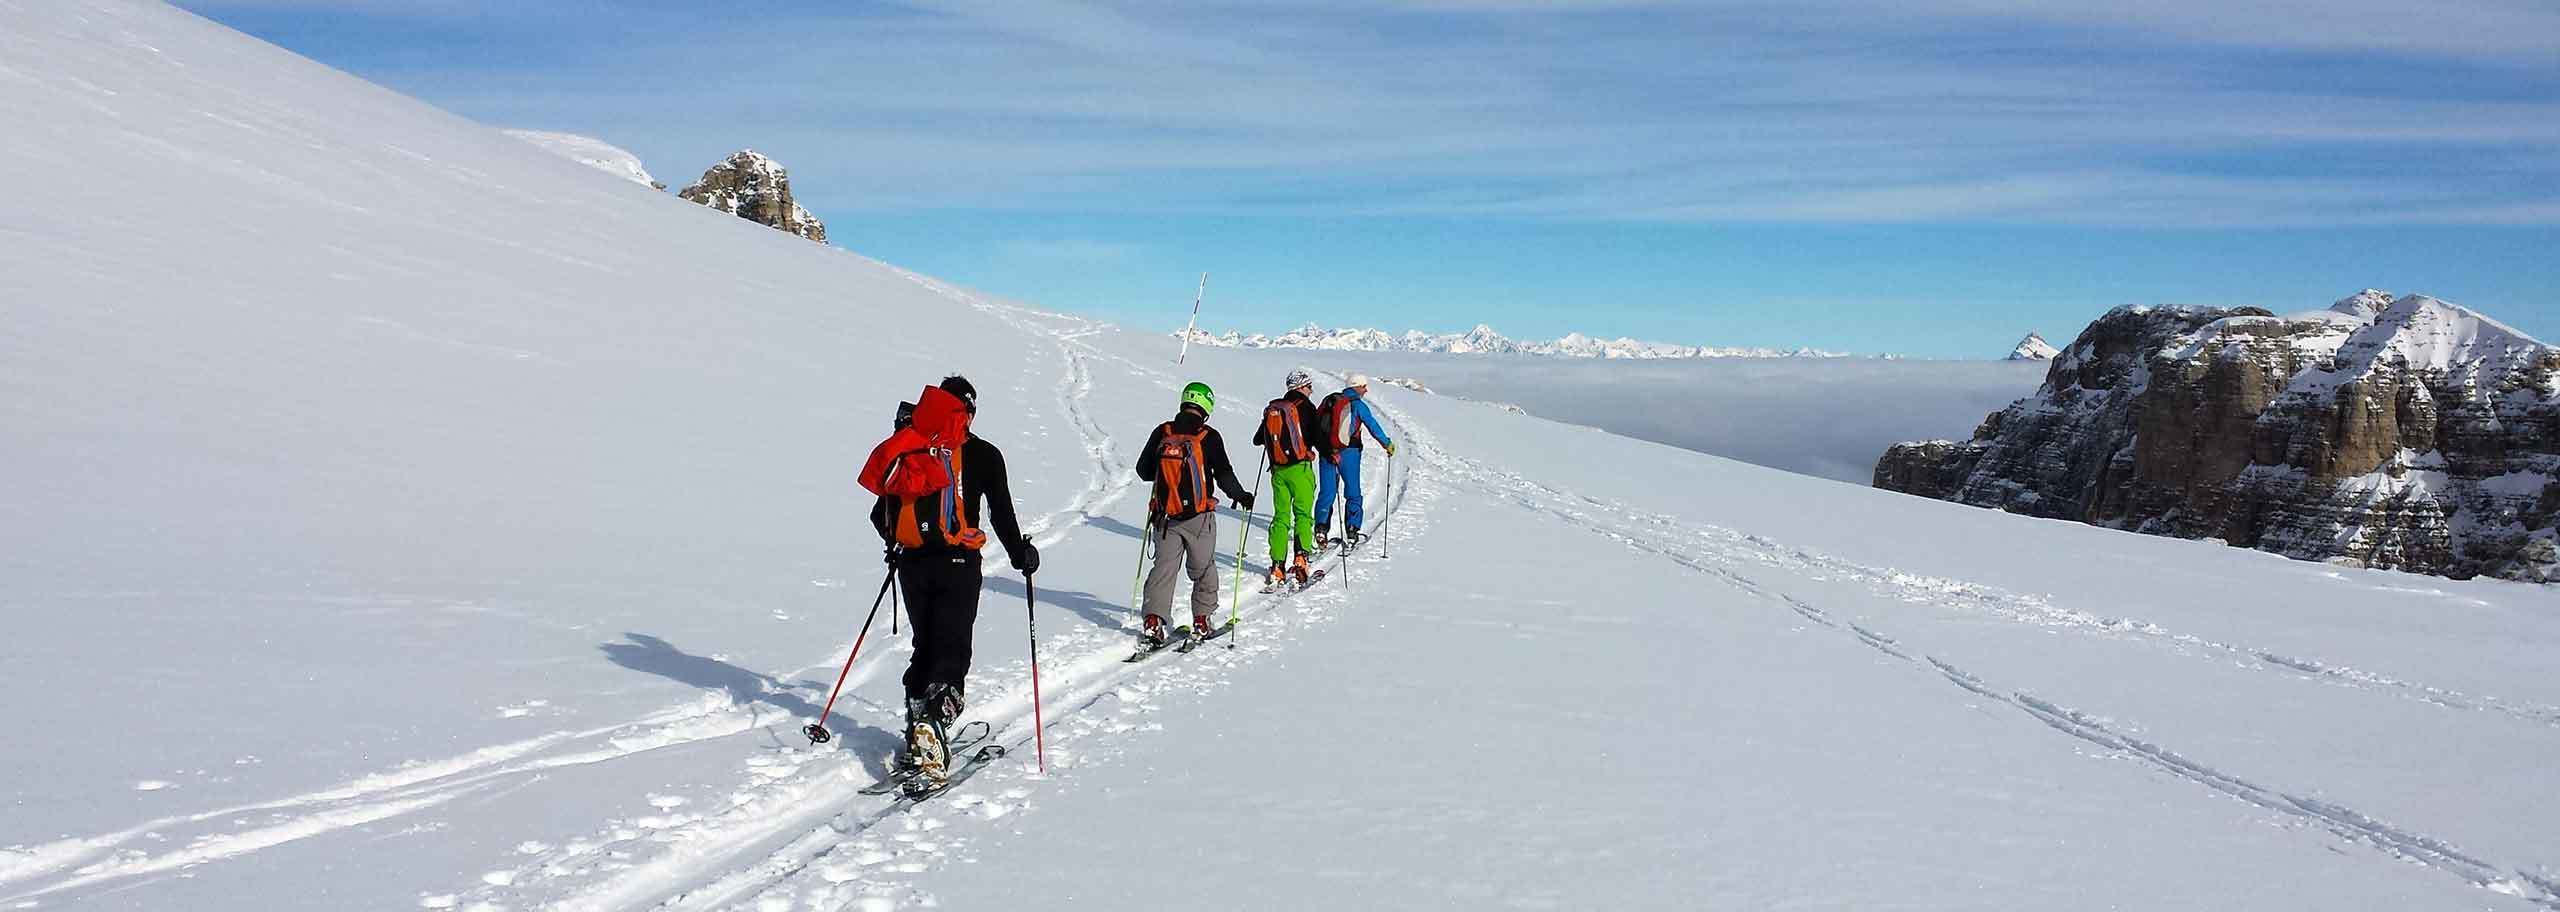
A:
1813	110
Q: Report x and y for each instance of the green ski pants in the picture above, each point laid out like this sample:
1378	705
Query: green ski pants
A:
1293	503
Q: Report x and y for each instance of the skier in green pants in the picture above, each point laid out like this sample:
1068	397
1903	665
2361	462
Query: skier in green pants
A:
1293	438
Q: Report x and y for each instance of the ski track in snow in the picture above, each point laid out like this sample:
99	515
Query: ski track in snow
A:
788	835
243	829
1718	552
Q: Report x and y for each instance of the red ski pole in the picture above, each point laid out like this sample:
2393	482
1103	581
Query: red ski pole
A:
1039	731
817	731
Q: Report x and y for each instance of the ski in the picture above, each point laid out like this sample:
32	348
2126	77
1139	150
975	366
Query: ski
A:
1313	577
918	792
971	735
1193	642
1147	650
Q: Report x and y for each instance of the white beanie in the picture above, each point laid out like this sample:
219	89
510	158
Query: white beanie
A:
1359	379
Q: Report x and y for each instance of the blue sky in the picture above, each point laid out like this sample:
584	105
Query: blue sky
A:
1930	177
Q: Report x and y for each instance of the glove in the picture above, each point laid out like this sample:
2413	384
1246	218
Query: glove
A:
1026	559
889	555
1391	449
1246	502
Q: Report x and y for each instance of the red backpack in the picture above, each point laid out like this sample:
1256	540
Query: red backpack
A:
1340	423
918	470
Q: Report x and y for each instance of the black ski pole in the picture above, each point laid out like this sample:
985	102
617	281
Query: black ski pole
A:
1031	616
817	731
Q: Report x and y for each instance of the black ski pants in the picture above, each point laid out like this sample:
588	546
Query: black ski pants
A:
941	588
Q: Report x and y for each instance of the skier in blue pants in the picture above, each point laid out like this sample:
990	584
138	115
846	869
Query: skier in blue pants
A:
1346	415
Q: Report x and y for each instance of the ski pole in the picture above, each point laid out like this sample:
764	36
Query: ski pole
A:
1244	533
817	731
893	612
1387	499
1146	536
1039	730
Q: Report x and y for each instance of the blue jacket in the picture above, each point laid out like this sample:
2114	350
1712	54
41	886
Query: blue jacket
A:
1346	434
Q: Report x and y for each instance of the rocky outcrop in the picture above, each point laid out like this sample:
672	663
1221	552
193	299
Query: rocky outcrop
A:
2402	433
753	187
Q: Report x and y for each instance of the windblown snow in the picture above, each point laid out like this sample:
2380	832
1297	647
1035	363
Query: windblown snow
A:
366	545
591	152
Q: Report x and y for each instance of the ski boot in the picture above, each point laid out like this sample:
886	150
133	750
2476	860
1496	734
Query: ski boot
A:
929	719
1153	636
1200	628
1279	578
1351	541
1298	570
927	760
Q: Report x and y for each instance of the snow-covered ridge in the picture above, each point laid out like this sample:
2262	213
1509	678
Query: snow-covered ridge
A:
592	152
1483	340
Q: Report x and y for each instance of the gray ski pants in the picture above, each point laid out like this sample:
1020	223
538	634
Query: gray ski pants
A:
1185	547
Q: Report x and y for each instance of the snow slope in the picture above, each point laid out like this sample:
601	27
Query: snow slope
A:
591	152
369	546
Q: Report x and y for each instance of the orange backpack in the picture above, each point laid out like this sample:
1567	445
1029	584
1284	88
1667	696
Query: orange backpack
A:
1287	441
1182	475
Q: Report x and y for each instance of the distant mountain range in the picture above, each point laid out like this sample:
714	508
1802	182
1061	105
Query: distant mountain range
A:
1483	340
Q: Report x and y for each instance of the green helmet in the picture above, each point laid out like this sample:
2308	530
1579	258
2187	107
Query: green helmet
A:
1198	394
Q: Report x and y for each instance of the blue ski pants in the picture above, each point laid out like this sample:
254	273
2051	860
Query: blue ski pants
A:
1344	475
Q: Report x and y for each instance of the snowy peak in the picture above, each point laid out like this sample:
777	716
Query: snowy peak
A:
1484	340
2033	348
2446	339
2366	304
756	188
591	152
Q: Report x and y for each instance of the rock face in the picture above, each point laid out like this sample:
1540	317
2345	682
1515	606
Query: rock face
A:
2033	348
753	187
2403	433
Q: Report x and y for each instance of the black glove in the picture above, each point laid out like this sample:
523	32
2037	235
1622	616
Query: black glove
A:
1246	501
889	554
1026	559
